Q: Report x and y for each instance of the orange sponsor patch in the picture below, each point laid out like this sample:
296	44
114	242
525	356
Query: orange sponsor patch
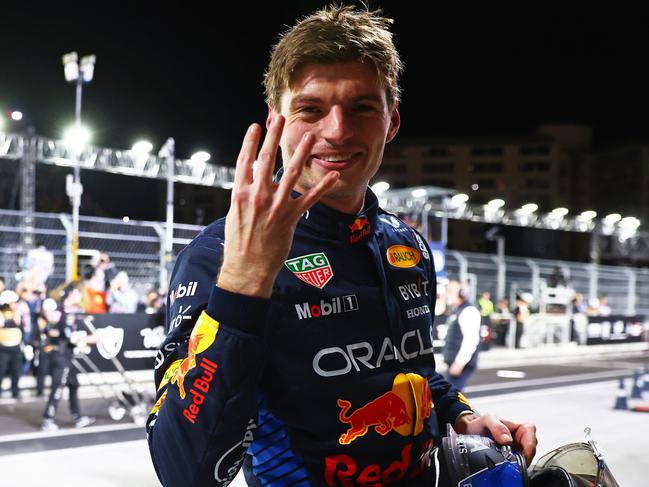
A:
403	256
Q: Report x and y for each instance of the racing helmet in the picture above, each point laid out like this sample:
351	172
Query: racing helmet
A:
477	461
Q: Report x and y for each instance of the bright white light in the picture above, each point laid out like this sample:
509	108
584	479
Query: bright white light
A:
126	219
612	218
459	199
559	212
529	208
419	193
630	222
76	137
87	67
142	147
495	204
17	116
380	187
70	66
2	122
475	187
200	156
588	215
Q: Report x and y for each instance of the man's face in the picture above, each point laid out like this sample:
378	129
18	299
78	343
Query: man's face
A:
346	110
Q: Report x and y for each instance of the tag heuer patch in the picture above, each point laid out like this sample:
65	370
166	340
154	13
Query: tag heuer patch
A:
313	269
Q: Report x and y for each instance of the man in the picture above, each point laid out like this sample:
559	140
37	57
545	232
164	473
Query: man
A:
462	343
310	361
62	337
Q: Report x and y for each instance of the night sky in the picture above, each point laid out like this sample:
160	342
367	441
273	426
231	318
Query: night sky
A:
187	72
195	74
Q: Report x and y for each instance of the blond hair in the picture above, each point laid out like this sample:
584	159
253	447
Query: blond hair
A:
335	34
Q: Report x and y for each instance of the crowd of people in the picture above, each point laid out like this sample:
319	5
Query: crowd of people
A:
37	336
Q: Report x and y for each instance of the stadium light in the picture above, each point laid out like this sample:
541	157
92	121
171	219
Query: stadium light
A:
559	212
459	199
612	219
419	193
76	137
380	187
200	157
495	204
142	147
587	215
528	208
16	115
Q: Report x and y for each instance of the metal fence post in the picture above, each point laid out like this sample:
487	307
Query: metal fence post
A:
69	258
631	296
464	265
164	273
536	279
592	281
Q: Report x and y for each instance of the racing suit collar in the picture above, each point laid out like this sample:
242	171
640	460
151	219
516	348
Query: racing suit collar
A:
351	228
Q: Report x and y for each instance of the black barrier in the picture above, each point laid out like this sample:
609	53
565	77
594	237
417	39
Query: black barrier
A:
614	329
132	339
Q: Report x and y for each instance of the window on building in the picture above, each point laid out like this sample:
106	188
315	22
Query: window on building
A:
535	150
537	184
445	167
490	150
482	167
438	152
443	183
486	183
535	166
393	169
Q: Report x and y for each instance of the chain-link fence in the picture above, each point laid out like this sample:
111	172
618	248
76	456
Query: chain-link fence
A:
626	288
137	247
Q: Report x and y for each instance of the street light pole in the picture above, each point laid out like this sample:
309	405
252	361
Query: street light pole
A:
78	73
168	152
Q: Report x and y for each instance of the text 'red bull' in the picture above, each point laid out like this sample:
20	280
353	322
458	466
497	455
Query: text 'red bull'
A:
201	384
203	335
344	470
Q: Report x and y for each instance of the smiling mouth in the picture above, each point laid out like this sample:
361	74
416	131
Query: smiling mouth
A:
336	162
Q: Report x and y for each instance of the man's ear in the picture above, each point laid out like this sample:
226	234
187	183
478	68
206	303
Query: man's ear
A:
270	117
395	122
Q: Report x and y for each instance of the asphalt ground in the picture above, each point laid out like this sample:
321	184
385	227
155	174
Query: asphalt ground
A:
561	397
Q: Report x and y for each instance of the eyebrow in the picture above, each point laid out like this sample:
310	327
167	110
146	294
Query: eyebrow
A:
314	99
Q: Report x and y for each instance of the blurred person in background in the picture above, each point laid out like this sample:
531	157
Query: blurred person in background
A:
47	319
501	320
121	297
97	278
486	304
462	344
11	340
522	314
38	265
64	336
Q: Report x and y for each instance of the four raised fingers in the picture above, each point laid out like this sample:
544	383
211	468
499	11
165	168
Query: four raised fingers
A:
243	170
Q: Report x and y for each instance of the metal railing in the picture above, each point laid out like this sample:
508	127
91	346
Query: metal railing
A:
137	247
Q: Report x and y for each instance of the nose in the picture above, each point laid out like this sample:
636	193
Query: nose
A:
337	126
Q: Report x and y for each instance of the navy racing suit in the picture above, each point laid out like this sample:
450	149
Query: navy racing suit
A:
332	381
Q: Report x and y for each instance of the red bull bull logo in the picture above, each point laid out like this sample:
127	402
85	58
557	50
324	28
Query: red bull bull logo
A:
203	335
359	229
403	409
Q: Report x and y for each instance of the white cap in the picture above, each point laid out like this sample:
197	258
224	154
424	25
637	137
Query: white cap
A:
527	297
49	305
8	297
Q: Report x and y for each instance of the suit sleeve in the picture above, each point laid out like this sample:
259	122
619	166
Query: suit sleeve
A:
449	402
207	374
